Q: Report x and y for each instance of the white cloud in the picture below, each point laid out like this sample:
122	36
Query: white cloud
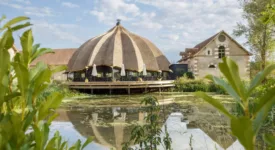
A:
148	24
24	1
184	22
58	30
6	3
199	19
108	11
39	12
66	26
173	37
30	10
69	5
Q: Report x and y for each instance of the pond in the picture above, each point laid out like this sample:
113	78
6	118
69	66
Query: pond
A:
109	119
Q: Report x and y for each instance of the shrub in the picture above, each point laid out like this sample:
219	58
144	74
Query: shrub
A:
189	75
185	84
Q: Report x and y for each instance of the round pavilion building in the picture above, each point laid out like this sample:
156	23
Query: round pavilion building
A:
118	55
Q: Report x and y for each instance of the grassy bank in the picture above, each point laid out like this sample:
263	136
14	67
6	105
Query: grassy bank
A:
184	84
63	89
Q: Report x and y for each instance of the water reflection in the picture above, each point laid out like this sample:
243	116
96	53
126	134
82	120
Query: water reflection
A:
111	126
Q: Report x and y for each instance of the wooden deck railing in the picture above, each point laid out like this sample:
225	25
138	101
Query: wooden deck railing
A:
121	84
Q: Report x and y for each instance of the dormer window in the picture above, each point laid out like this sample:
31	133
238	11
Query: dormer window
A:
221	51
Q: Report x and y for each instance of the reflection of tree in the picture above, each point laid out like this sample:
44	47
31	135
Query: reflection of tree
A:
212	123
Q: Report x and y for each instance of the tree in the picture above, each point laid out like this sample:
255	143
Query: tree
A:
269	13
258	33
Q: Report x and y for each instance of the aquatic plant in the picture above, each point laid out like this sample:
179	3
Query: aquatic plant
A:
246	126
24	119
148	136
190	142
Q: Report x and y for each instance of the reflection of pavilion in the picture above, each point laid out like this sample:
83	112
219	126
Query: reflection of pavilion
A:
93	123
117	130
118	125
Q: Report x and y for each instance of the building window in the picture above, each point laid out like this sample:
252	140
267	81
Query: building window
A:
212	66
221	51
208	52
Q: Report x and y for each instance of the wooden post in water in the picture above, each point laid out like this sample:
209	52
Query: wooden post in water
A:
92	91
129	90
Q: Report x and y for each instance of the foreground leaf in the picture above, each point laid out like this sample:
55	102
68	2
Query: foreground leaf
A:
89	140
26	43
15	21
269	139
231	71
262	109
52	102
242	129
260	77
21	26
214	103
226	86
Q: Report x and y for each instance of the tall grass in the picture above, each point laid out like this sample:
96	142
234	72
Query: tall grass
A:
61	88
184	84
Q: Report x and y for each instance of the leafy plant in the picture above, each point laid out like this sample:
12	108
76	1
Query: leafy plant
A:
148	136
245	127
24	119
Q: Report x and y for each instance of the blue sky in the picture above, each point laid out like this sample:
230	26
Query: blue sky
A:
172	25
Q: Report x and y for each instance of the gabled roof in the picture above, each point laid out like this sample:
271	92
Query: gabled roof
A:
59	57
191	52
205	42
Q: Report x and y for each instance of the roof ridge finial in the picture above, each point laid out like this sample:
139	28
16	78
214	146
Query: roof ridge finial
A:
118	22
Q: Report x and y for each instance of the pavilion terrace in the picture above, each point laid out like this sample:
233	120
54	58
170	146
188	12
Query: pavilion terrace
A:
118	59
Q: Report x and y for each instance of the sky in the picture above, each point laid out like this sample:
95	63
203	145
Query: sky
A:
172	25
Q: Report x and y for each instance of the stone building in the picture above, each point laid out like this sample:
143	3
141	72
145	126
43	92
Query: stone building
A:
204	58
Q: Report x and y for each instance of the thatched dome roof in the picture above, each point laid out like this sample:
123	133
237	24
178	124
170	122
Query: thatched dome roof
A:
116	47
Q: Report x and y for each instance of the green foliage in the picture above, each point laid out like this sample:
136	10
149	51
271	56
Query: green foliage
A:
268	16
184	84
24	118
148	136
259	33
61	88
246	126
189	75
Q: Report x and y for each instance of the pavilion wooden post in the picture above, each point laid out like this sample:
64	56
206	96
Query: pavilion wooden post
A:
112	73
